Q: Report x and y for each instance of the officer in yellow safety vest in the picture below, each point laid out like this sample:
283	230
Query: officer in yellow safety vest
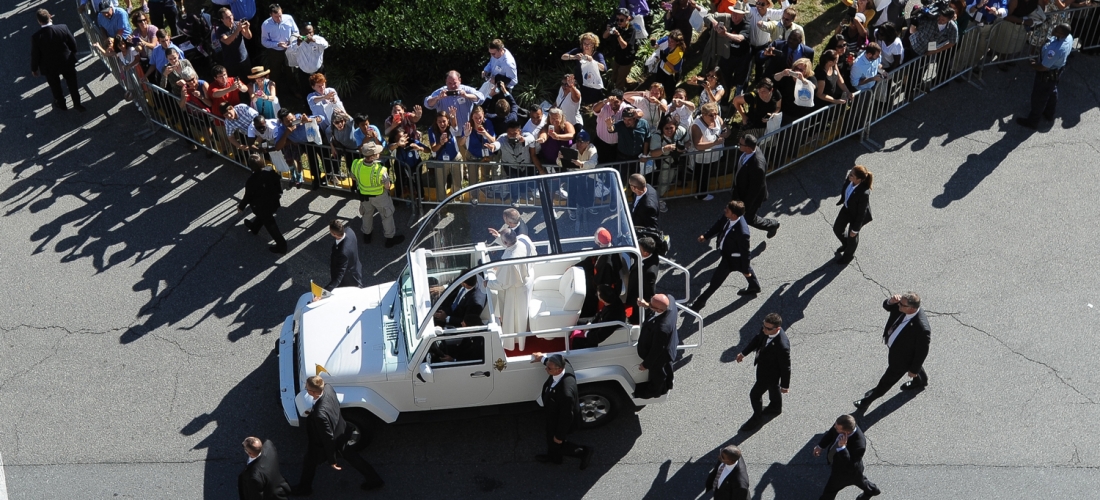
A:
373	181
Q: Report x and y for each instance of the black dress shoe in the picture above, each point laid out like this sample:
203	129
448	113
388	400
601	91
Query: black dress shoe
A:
372	485
747	291
80	108
1048	118
839	249
281	250
860	405
587	457
1024	122
697	306
773	230
844	259
366	239
910	386
770	410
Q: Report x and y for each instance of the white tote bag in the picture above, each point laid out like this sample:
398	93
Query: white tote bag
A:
292	55
590	74
279	162
803	94
313	132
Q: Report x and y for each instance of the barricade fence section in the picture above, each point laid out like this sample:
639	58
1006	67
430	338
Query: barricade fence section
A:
419	178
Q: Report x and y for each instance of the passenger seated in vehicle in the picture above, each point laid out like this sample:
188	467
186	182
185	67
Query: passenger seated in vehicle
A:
465	307
613	310
458	350
609	268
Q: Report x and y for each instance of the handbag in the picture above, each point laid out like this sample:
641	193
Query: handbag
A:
292	55
590	75
268	107
803	94
313	132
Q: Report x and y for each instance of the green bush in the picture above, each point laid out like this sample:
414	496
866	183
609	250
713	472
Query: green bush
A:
422	39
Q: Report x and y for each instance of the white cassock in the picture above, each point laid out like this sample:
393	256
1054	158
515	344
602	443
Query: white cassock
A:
513	285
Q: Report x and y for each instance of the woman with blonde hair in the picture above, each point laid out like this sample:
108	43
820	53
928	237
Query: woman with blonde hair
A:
706	134
590	64
855	211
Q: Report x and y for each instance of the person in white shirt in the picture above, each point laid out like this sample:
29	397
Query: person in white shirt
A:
759	36
502	64
309	51
569	100
276	34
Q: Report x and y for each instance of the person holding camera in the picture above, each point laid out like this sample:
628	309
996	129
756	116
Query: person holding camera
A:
276	35
667	144
232	35
620	37
309	51
455	95
927	37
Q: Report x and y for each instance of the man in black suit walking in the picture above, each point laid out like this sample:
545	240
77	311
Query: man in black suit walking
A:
750	184
560	402
647	206
53	54
262	191
855	211
773	369
733	244
844	445
730	477
328	435
466	307
907	336
657	346
261	478
344	266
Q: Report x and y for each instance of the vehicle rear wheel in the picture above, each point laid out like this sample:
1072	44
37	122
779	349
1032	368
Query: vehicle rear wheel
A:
362	425
599	404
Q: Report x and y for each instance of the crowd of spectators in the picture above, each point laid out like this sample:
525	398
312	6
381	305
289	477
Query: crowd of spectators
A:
756	67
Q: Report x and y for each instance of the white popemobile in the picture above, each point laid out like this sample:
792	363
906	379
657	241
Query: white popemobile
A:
380	349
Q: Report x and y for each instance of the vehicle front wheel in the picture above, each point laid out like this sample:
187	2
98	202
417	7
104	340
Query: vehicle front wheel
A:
362	425
599	404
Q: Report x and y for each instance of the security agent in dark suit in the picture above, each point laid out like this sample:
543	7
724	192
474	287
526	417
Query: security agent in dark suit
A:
261	478
907	335
262	191
328	438
650	266
773	369
855	211
733	245
560	402
750	184
657	345
53	54
344	266
613	310
646	208
465	308
844	445
730	478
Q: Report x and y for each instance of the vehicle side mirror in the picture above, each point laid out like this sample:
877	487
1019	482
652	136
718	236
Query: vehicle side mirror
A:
425	374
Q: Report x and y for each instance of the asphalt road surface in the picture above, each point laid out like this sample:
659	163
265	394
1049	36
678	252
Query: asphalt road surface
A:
136	345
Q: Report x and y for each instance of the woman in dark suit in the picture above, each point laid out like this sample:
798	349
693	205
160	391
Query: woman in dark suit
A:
855	211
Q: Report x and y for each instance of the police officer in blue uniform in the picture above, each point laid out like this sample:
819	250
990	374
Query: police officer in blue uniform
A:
1048	70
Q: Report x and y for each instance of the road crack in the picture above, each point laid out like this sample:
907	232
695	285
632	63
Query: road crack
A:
1057	374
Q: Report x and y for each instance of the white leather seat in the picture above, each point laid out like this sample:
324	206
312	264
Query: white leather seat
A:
556	300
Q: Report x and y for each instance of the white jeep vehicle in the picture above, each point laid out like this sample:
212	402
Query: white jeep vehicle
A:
379	346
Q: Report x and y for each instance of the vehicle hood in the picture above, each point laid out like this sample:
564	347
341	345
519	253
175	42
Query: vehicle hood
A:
343	334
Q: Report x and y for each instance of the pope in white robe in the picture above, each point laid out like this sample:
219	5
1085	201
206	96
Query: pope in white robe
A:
513	285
